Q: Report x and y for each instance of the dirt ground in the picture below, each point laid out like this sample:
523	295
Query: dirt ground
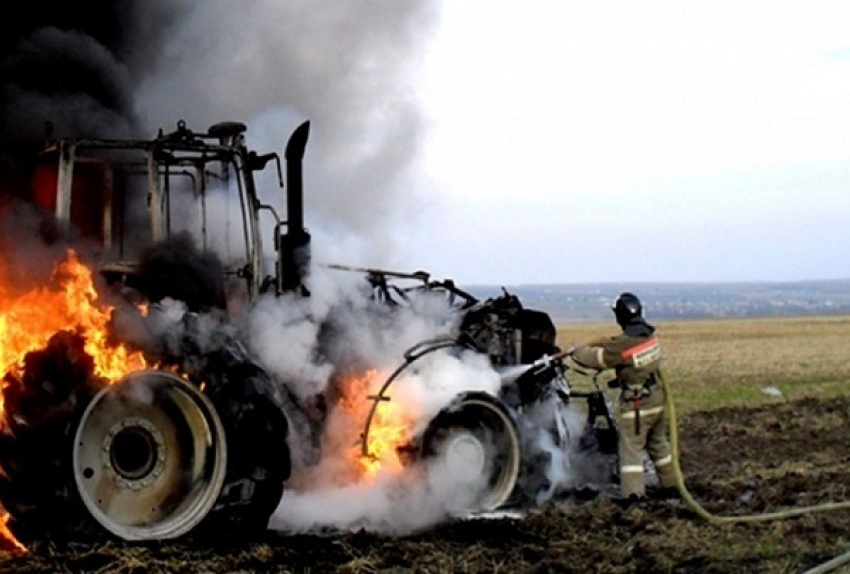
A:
737	461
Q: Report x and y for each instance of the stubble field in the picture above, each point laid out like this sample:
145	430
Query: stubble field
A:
764	425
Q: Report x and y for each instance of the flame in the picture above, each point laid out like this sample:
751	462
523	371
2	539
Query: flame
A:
388	432
29	319
7	540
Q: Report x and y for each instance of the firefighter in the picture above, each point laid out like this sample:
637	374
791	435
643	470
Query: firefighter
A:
635	355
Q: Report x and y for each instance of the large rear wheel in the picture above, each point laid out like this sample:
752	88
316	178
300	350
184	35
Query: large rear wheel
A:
149	456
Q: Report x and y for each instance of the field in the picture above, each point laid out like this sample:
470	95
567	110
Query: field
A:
763	411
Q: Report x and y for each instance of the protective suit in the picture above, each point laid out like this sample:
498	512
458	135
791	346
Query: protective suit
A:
635	355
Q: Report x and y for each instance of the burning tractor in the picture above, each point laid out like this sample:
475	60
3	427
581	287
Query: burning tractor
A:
149	438
137	421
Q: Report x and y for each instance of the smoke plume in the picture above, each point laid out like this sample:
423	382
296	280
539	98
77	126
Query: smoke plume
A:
130	68
71	72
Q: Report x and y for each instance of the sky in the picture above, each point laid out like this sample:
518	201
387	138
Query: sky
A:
490	142
636	141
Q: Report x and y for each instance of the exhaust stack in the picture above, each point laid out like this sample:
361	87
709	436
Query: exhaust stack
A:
294	245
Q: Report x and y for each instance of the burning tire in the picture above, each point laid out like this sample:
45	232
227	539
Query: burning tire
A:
44	402
475	441
149	457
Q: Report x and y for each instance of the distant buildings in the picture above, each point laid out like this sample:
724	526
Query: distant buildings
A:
591	302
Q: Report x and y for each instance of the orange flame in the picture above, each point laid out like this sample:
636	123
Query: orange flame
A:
7	540
28	320
389	429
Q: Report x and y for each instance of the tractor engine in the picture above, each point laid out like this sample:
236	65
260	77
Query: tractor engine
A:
508	333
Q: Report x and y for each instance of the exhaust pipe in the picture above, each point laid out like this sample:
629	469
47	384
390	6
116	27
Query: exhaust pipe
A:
294	245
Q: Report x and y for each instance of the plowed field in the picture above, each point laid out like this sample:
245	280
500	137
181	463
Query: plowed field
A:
737	461
760	453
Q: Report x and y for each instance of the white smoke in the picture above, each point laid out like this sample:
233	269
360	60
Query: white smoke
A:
329	496
285	335
394	505
349	68
564	469
391	506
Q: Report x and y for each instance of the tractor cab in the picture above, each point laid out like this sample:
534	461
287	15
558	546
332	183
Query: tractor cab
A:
145	203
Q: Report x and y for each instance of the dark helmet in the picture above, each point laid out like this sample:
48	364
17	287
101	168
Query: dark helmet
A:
626	308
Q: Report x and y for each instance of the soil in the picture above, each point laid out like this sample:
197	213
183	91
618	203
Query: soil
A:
737	461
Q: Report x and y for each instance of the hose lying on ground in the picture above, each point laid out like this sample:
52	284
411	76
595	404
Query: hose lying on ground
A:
689	499
717	519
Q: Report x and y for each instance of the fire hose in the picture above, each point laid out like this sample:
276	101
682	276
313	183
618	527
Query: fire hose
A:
718	519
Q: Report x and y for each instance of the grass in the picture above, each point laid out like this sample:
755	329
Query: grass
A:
729	362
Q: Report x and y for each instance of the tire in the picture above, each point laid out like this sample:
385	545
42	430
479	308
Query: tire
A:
36	485
43	405
145	458
476	443
259	463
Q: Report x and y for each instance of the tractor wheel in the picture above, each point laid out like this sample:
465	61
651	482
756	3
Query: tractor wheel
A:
149	456
475	441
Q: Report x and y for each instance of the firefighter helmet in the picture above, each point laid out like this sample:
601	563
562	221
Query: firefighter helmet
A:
627	307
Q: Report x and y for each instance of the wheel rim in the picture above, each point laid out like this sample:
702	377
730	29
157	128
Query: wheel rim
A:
465	456
476	443
149	456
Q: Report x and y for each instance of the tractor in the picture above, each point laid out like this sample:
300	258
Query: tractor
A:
203	438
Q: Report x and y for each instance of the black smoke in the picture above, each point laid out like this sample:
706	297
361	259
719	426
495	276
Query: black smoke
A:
118	68
177	269
68	69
